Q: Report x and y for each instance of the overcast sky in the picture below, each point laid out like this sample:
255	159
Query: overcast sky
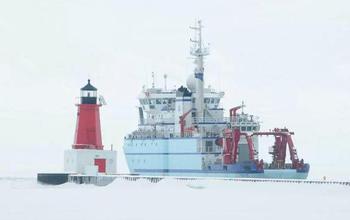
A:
288	60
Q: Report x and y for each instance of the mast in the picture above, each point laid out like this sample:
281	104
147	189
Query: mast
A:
198	52
165	82
153	83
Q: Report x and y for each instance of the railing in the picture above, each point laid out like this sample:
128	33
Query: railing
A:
245	120
104	180
237	121
199	120
160	121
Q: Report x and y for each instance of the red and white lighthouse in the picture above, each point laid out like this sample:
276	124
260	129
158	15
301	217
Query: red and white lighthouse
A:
87	155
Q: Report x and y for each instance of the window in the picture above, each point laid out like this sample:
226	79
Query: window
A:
249	128
209	146
158	101
243	128
88	93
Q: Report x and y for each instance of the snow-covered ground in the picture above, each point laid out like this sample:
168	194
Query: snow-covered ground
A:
172	199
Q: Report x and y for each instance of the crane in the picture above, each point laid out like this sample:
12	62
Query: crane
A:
233	112
182	122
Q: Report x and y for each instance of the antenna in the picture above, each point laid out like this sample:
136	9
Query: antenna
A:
165	85
198	52
102	100
242	107
197	49
153	84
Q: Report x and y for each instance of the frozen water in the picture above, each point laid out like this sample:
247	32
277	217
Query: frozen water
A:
172	199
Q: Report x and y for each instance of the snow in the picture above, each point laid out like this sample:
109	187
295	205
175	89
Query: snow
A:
172	199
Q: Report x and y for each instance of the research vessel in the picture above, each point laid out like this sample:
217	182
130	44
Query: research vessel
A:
183	132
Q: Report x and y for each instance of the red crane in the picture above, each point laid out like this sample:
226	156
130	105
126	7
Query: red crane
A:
283	137
250	146
183	122
232	137
233	112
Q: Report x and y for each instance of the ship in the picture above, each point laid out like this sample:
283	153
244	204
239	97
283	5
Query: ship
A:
184	132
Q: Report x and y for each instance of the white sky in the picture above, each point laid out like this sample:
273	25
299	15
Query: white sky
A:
288	60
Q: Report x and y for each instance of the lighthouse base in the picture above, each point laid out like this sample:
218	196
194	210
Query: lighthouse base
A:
90	162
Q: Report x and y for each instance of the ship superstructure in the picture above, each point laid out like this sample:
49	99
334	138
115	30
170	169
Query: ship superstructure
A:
184	132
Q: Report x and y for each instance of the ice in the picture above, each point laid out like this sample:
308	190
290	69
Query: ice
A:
172	199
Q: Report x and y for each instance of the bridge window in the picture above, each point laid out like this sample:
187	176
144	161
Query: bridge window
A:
243	128
249	128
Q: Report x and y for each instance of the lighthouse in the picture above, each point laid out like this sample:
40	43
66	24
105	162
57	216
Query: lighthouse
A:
87	155
88	129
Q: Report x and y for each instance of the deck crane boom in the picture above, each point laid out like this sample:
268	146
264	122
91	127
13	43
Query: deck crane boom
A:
233	112
183	122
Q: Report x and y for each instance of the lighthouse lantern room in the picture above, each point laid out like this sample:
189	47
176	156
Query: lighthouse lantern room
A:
87	155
